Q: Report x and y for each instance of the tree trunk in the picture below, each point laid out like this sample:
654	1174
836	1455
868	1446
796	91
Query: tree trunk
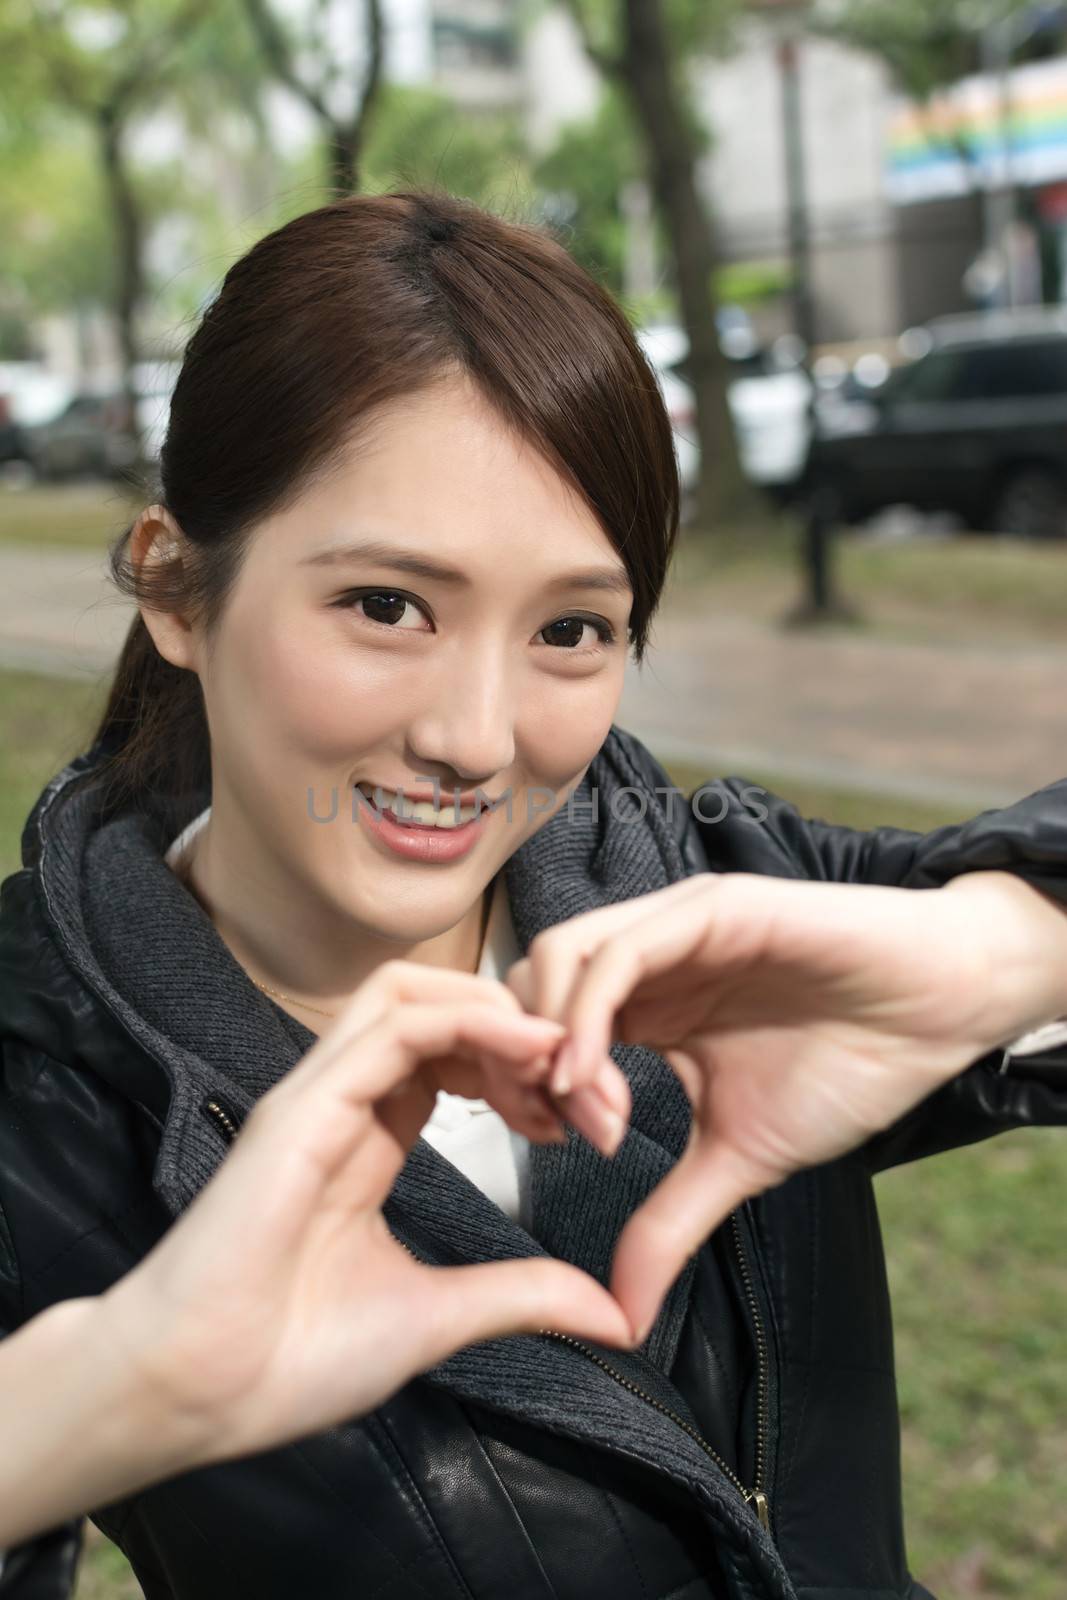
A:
724	493
343	142
129	269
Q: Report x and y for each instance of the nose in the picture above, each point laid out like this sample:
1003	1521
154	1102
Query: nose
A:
465	731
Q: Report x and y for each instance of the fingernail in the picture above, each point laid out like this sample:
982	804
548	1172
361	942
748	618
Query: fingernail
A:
606	1084
561	1072
614	1129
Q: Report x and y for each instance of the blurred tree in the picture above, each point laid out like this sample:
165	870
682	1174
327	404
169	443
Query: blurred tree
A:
418	138
103	63
926	43
581	178
304	55
930	44
643	47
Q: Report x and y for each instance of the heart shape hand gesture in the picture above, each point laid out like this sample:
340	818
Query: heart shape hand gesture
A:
800	1018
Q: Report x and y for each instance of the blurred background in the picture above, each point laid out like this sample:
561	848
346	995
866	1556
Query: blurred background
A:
840	229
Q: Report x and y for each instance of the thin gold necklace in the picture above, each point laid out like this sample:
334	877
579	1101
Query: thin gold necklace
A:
486	900
183	869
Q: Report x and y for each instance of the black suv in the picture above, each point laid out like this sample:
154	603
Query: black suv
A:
977	426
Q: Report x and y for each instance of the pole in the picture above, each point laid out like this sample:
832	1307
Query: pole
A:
998	203
796	192
819	602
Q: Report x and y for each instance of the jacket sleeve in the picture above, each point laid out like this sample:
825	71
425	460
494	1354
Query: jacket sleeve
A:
746	828
53	1194
43	1568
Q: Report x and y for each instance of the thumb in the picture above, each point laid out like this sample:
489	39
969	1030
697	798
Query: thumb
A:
531	1295
519	979
708	1181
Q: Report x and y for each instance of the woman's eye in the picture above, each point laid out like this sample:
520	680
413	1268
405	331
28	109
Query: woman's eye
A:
384	607
568	634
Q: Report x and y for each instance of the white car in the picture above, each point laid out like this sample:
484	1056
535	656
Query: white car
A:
664	345
30	394
769	401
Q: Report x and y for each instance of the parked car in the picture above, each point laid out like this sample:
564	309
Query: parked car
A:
665	344
30	393
91	437
87	439
976	426
769	395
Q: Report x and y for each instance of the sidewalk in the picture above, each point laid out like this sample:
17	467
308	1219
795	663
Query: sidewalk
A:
953	724
963	725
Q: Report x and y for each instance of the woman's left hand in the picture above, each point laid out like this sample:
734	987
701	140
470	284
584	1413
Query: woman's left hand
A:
800	1018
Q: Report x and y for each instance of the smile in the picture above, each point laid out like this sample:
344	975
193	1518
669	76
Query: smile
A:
423	813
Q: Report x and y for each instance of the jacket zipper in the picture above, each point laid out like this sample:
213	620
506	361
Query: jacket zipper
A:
760	1488
757	1495
222	1114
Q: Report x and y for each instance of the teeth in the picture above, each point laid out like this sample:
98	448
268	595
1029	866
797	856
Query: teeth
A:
422	812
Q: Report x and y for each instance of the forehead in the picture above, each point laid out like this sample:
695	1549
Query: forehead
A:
442	471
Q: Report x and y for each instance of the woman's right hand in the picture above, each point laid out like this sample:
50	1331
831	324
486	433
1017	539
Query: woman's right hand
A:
280	1303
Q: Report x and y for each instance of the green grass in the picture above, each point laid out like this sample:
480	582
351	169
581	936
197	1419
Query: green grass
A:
978	1274
44	722
976	1261
104	1573
75	515
968	589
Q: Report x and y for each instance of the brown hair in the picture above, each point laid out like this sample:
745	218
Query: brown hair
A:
339	311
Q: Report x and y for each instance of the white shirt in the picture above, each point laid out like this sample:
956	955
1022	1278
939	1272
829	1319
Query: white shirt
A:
469	1133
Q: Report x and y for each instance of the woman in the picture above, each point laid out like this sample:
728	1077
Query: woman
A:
417	495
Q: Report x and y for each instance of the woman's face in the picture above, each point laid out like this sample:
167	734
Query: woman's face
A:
332	671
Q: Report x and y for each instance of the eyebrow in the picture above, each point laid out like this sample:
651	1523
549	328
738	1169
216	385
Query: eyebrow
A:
611	579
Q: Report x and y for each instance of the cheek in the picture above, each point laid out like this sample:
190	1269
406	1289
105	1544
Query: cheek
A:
564	723
312	697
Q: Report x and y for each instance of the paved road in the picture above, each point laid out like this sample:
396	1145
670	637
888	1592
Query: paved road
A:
58	611
960	724
964	725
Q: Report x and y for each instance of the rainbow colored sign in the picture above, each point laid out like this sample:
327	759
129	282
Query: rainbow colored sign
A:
980	133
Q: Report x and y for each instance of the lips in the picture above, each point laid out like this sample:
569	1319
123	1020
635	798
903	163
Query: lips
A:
421	841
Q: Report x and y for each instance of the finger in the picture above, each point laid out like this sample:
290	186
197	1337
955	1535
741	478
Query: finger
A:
518	980
397	983
707	1183
656	944
601	1124
547	972
614	1088
608	1082
531	1295
388	1052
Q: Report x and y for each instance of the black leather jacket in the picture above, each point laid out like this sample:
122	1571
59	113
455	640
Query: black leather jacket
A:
603	1475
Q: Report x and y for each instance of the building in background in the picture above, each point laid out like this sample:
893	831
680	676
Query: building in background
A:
844	100
906	206
978	177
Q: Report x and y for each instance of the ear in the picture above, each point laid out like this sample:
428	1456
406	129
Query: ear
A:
157	540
